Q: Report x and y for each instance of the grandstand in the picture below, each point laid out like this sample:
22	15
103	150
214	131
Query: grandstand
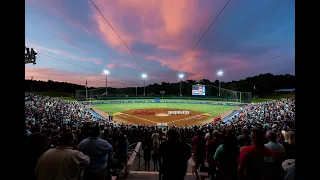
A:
134	167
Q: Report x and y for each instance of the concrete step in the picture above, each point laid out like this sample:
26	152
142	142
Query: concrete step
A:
150	175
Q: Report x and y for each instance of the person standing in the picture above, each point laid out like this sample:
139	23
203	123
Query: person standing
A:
62	162
199	149
226	157
174	156
155	139
257	161
275	146
99	151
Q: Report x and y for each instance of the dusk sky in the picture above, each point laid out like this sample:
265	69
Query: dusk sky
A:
250	37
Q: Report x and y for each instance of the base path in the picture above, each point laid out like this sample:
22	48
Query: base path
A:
161	116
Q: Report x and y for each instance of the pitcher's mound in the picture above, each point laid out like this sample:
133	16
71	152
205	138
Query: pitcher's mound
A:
162	114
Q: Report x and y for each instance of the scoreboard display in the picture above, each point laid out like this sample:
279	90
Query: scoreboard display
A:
198	90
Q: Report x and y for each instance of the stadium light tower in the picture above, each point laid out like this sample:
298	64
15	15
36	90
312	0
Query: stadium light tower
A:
144	76
106	72
219	74
180	77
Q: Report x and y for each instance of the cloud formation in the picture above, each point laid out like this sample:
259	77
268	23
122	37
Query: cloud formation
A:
161	34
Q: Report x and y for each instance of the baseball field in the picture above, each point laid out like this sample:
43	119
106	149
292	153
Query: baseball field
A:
168	113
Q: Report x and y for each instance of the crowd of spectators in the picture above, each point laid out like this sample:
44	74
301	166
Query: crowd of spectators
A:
62	140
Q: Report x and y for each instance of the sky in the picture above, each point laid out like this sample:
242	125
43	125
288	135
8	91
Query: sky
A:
76	44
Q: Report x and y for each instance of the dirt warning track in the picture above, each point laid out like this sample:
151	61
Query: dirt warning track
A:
162	115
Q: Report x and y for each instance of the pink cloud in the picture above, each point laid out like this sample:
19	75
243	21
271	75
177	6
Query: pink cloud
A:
44	74
166	24
111	66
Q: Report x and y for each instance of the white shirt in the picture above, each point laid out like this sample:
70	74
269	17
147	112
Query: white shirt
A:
207	136
61	163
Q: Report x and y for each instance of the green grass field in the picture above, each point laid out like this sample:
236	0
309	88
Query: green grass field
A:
214	110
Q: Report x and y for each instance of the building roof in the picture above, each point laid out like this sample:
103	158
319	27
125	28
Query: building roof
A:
285	90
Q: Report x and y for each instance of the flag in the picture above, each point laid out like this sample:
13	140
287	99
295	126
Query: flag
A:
254	87
86	83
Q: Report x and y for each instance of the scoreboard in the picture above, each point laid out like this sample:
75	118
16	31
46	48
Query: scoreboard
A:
198	90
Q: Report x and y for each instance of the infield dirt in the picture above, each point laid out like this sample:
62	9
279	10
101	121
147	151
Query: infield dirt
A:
162	116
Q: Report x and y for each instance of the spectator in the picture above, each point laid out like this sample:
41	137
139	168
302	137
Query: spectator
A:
155	139
257	161
289	145
99	151
35	147
174	157
226	157
208	136
155	157
122	148
62	162
199	150
212	146
147	154
244	139
289	167
274	146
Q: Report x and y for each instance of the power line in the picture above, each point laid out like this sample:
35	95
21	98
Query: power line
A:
214	20
119	37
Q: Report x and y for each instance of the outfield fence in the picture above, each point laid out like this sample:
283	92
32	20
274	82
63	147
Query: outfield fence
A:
163	101
212	94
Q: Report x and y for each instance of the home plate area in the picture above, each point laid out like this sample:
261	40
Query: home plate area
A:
162	115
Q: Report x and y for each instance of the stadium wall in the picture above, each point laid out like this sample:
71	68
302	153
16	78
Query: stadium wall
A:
163	101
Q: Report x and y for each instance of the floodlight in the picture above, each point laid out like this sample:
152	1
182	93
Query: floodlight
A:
181	76
144	76
220	73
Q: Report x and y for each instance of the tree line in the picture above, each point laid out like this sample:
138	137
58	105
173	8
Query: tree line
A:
263	84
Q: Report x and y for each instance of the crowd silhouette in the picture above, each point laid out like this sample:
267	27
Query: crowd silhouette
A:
65	141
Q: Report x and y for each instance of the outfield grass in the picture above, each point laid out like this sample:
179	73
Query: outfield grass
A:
214	110
272	97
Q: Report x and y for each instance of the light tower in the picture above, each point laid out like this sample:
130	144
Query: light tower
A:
180	77
106	72
144	76
220	74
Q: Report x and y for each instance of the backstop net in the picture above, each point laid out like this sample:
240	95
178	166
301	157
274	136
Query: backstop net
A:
229	95
92	93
